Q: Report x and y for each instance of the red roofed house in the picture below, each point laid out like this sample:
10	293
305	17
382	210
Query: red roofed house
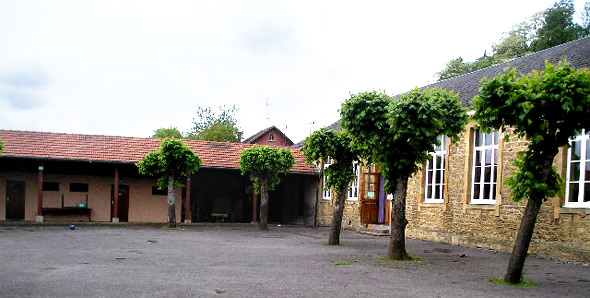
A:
270	136
71	177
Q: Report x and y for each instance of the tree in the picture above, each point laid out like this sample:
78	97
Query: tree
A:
173	160
547	108
557	26
396	134
1	145
515	43
264	165
222	127
170	132
457	66
326	143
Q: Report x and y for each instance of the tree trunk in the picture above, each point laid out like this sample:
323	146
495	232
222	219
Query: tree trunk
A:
397	240
262	224
171	202
527	227
334	238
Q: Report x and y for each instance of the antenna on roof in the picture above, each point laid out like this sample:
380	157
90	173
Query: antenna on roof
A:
267	112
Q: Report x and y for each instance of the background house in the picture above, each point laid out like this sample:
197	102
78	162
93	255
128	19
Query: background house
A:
270	136
66	171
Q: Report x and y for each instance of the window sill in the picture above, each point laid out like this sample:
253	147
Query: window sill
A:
432	204
574	210
482	206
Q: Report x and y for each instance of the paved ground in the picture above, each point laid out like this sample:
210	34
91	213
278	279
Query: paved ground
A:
110	261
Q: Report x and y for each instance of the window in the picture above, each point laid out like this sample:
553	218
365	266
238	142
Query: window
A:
577	189
435	173
78	187
271	137
50	186
158	192
485	167
353	189
327	192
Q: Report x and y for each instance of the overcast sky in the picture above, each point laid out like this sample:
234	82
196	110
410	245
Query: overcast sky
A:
129	67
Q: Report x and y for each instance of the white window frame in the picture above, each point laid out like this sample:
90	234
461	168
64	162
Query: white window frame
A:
431	183
584	139
271	137
327	193
353	189
481	150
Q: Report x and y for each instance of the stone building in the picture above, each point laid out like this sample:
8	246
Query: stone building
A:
460	196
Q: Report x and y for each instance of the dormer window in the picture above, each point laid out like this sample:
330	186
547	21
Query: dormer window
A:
271	137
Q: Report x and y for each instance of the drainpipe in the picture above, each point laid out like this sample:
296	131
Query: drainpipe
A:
39	217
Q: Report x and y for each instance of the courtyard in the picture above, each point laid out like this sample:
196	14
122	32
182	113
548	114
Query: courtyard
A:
241	261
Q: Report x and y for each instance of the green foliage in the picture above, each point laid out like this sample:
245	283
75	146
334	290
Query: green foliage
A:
1	145
266	163
543	30
173	158
397	133
523	284
557	26
545	107
222	127
326	143
170	132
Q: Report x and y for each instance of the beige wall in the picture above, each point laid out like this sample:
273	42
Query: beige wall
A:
143	206
561	233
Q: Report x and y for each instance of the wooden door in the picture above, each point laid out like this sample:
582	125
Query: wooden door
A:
15	200
123	202
370	198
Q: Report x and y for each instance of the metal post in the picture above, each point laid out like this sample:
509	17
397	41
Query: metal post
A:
116	197
40	194
187	202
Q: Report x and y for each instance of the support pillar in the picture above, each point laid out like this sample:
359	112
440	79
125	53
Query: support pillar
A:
187	202
116	197
39	217
254	207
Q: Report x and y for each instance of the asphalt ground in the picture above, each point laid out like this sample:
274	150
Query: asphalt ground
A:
241	261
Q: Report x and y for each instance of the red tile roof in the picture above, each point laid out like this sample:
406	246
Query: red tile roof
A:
44	145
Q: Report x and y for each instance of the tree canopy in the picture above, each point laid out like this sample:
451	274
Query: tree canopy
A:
265	165
320	146
547	108
543	30
172	161
1	145
210	126
171	132
397	134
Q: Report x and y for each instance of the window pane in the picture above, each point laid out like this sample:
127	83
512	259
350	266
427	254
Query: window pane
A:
495	156
429	164
488	154
573	194
587	172
477	158
576	150
478	138
586	192
429	178
476	191
487	174
436	193
477	174
439	176
488	137
442	191
429	192
574	171
496	136
493	191
486	191
442	178
495	175
439	162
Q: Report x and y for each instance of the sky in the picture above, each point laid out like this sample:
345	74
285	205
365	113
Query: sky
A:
127	68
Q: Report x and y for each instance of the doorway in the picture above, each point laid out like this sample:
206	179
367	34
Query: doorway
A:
15	200
123	210
370	198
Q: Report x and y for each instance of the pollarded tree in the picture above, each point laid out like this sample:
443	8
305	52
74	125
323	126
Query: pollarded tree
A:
547	108
265	164
324	144
397	134
172	161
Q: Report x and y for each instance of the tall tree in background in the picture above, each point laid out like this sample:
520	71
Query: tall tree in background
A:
320	146
172	161
1	145
543	30
264	165
557	26
547	108
171	132
397	134
221	127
